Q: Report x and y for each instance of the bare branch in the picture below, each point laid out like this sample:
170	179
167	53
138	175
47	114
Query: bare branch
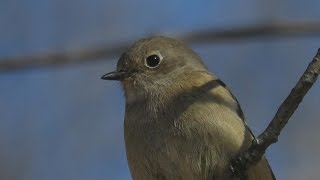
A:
210	36
264	30
58	59
253	155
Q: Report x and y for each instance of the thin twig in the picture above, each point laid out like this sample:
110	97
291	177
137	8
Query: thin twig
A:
59	59
253	155
209	36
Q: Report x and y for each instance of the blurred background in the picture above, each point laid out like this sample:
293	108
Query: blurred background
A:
60	121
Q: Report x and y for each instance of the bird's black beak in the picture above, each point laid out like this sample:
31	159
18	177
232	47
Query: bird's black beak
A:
115	75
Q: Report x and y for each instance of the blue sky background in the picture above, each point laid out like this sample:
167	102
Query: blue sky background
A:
66	123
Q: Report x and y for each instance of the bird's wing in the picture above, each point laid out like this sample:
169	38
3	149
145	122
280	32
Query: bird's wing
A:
241	115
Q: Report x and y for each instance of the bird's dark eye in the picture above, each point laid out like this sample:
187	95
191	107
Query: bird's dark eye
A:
153	61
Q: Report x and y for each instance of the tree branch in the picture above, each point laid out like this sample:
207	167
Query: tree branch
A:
240	164
209	36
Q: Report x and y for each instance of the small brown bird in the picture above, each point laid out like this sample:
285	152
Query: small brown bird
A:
181	121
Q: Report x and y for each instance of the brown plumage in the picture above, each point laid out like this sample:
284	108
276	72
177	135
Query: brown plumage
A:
181	121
